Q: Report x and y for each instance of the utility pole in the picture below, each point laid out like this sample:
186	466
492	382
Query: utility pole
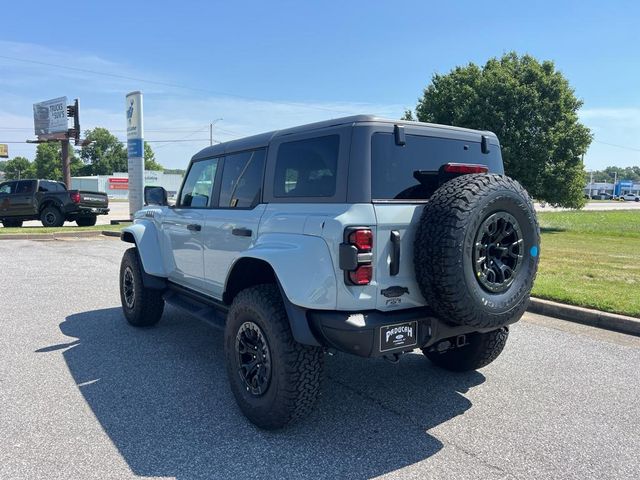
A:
210	134
590	183
66	168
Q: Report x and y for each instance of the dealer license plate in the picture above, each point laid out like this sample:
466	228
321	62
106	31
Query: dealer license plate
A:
398	335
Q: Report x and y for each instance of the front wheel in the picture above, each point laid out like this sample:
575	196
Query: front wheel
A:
274	379
10	223
468	352
142	306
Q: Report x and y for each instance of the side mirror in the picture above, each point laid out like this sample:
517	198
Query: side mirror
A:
155	196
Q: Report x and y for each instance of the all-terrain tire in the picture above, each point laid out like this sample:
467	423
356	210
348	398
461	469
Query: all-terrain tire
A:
10	223
142	306
295	369
449	237
52	217
481	349
88	221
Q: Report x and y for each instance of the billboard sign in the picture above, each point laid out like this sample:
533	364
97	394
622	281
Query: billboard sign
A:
50	117
4	150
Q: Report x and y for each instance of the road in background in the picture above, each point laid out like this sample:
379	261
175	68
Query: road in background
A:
84	395
604	205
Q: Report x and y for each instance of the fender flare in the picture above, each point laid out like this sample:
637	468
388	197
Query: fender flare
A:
144	235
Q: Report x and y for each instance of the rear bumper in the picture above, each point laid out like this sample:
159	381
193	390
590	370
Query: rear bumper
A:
361	333
85	211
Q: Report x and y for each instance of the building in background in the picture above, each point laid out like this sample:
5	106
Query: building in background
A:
117	185
622	187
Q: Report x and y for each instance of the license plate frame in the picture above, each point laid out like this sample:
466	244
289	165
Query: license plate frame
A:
398	335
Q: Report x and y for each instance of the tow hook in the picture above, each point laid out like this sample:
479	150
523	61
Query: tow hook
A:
393	358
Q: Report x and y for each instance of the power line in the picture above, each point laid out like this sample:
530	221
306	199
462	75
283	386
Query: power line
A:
618	146
173	85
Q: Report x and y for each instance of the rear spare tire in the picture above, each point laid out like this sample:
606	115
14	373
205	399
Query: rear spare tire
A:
476	251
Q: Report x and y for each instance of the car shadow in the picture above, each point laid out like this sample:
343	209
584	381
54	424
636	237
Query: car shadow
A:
162	396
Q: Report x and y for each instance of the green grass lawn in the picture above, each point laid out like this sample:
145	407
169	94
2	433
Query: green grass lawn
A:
591	259
69	228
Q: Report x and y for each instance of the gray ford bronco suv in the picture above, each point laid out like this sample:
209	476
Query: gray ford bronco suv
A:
362	235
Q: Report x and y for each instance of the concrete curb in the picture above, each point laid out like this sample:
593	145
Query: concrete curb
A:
586	316
55	236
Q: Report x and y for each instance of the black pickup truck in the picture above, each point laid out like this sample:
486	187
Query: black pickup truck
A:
50	202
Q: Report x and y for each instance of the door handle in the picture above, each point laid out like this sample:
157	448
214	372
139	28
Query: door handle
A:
241	232
194	227
394	264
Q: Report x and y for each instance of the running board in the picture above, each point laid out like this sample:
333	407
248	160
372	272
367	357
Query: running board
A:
198	306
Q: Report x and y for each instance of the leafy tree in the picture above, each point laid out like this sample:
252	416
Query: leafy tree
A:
105	154
533	110
408	115
18	167
48	162
3	165
150	159
609	174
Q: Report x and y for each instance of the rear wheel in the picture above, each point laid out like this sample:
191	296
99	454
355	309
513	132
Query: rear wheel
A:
88	221
468	352
10	223
52	217
274	379
142	306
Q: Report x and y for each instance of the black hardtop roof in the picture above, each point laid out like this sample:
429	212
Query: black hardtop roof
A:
263	139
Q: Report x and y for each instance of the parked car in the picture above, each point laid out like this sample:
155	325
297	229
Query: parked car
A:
363	235
50	202
632	197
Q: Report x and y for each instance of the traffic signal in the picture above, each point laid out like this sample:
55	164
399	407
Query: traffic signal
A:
74	112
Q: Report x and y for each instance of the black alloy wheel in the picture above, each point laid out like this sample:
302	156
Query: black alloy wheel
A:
498	252
254	358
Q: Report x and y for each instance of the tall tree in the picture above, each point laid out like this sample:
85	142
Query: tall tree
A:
48	162
18	167
533	110
105	154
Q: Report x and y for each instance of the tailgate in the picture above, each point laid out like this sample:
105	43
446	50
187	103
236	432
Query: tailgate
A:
396	223
94	199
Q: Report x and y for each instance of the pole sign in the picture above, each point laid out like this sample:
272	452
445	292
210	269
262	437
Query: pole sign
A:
4	150
135	151
50	117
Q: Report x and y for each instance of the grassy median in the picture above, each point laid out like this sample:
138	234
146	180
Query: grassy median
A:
65	229
591	259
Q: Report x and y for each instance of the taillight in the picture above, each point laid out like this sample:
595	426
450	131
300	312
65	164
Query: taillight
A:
356	256
464	168
361	275
362	239
75	197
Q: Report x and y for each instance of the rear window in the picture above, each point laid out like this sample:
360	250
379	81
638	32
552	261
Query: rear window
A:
242	179
307	168
394	167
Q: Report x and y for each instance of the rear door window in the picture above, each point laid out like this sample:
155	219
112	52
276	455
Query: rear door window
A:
25	187
307	168
241	185
402	172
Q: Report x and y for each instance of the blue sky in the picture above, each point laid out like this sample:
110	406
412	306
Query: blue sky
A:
268	65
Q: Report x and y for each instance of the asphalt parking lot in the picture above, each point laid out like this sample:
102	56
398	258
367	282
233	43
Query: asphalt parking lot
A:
83	395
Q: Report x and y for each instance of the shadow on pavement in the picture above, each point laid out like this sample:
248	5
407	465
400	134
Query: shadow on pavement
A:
162	396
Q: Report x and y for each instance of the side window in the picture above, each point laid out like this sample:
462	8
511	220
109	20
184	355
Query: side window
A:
307	168
8	187
48	187
242	179
197	188
25	187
